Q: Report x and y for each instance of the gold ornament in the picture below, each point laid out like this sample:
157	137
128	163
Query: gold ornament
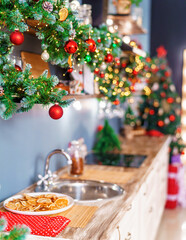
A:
165	105
63	14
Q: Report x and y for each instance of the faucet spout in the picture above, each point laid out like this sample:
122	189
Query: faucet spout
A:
56	151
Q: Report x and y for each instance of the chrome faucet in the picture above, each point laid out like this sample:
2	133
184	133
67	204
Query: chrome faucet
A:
61	151
47	180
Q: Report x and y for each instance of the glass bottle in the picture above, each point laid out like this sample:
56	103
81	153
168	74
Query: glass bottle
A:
85	14
77	166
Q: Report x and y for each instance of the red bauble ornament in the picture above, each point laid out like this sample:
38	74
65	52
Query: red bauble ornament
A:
71	46
80	72
116	102
151	112
18	68
99	128
99	40
16	37
170	100
56	112
148	59
70	70
91	45
102	75
172	118
160	123
123	64
96	71
167	74
108	58
161	52
135	72
165	86
163	94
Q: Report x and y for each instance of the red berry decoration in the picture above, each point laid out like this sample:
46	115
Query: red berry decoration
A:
16	37
102	75
151	112
167	74
135	72
170	100
18	68
70	70
163	94
99	40
56	112
71	46
172	118
108	58
160	123
91	45
116	102
99	128
96	71
80	72
123	65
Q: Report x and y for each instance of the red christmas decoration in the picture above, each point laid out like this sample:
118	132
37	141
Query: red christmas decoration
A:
80	72
56	112
163	66
99	40
102	75
165	86
17	37
91	45
172	118
167	74
18	68
151	112
148	59
99	128
170	100
108	58
70	70
123	64
160	123
161	52
116	102
154	133
135	72
163	94
96	71
71	46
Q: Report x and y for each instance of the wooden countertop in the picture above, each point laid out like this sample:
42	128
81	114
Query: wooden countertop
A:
110	213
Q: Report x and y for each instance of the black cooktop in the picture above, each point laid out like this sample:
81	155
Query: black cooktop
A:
122	160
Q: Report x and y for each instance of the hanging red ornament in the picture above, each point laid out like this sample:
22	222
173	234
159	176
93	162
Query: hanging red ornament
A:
96	71
148	59
165	86
71	46
116	102
161	52
135	72
91	45
108	58
80	72
99	128
70	70
182	152
160	123
123	64
170	100
102	75
99	40
17	37
18	68
167	74
163	94
151	112
172	118
56	112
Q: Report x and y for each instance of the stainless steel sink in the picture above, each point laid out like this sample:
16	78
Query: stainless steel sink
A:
85	190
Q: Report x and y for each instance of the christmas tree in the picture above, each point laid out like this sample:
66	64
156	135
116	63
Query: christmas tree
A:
160	108
106	140
17	233
130	118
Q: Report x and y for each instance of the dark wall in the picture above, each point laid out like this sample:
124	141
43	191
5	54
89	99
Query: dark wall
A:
168	28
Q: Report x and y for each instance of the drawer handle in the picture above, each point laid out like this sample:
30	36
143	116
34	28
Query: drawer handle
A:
129	236
119	233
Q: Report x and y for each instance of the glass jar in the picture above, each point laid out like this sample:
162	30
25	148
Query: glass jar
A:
85	14
77	165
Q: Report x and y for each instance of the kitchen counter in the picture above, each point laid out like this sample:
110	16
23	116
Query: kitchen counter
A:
110	213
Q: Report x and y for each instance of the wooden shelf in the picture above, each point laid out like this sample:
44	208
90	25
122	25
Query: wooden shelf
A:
82	96
126	24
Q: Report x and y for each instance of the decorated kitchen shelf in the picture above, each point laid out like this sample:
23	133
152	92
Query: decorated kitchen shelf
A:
82	96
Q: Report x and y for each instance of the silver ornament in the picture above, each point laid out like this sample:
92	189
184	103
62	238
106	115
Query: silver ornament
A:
167	121
45	55
155	87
